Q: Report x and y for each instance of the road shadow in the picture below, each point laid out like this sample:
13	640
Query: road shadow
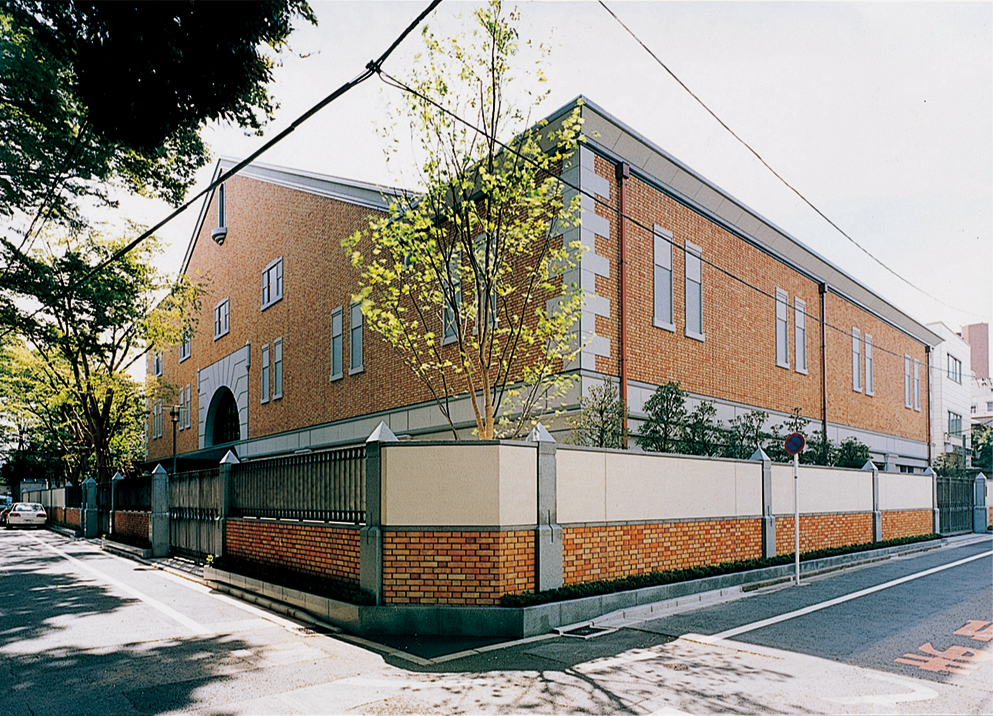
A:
56	656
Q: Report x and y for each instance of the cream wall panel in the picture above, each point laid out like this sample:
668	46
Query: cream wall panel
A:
748	489
904	492
518	484
821	490
581	488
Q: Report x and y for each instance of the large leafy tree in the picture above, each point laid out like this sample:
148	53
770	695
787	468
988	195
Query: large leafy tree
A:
465	279
98	95
83	337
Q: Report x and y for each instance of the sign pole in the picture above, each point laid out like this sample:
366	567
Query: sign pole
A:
796	515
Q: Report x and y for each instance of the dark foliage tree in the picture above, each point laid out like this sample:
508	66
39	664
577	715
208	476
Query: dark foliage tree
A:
662	431
852	453
601	418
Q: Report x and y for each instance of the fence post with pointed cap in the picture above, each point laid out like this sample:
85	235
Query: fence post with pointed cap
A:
935	514
158	522
877	515
224	499
768	520
114	481
980	515
548	533
91	516
371	535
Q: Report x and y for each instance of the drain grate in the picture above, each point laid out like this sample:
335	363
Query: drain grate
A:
587	631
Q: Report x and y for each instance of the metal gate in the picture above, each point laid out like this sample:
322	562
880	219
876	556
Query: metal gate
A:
104	508
195	527
955	502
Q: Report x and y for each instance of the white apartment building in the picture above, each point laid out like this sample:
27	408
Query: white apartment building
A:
951	394
981	410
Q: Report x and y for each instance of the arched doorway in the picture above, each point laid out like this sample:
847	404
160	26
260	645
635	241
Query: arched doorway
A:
223	422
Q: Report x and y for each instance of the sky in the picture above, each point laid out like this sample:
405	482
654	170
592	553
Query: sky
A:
880	114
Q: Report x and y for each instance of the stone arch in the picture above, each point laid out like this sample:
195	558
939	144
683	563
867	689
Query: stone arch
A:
223	420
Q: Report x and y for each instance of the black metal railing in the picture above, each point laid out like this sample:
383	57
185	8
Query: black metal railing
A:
195	500
74	496
134	494
326	486
955	502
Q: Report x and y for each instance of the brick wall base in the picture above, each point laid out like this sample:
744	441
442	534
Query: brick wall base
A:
323	551
65	516
908	523
467	568
615	551
131	524
823	531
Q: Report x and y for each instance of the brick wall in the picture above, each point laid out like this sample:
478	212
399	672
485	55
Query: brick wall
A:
469	568
907	523
823	531
329	552
614	551
131	524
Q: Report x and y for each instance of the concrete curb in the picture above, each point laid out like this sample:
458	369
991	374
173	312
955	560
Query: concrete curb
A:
125	550
541	619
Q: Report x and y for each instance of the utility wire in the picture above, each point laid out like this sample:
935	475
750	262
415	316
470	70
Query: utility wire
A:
774	172
397	84
371	68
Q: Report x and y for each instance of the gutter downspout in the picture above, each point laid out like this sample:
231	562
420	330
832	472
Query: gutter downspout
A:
623	173
927	363
822	290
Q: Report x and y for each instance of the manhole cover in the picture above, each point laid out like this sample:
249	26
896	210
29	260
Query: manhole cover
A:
585	632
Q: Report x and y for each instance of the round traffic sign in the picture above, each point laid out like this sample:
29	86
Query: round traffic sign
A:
795	443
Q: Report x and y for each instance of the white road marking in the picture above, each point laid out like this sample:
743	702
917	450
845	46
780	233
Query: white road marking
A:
182	619
840	600
918	692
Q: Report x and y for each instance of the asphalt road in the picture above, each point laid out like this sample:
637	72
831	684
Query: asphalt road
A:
85	632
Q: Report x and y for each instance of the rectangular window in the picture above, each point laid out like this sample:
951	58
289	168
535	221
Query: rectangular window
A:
277	368
157	364
856	360
908	382
185	346
989	406
694	291
782	329
189	406
272	283
182	409
955	369
158	418
869	367
264	388
663	280
222	319
800	335
453	297
954	425
355	338
336	371
917	384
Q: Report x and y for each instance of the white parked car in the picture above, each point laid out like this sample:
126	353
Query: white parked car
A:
26	514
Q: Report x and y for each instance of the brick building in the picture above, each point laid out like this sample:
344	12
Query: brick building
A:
715	296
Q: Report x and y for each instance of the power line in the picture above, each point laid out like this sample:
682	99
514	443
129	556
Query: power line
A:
371	68
774	172
397	84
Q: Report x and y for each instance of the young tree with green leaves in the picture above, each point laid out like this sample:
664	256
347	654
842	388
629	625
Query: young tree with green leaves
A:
601	420
851	453
744	434
465	279
702	432
662	430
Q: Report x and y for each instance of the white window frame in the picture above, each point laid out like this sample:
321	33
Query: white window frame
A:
908	383
693	269
337	318
186	346
917	385
189	405
958	418
157	422
449	327
856	360
157	364
870	368
272	283
264	375
182	409
355	338
954	368
782	329
800	335
277	369
222	318
662	300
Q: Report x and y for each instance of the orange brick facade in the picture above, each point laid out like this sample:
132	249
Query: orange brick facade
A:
328	552
466	568
68	516
909	523
824	531
131	524
614	551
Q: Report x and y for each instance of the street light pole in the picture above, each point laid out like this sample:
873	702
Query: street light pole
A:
174	415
